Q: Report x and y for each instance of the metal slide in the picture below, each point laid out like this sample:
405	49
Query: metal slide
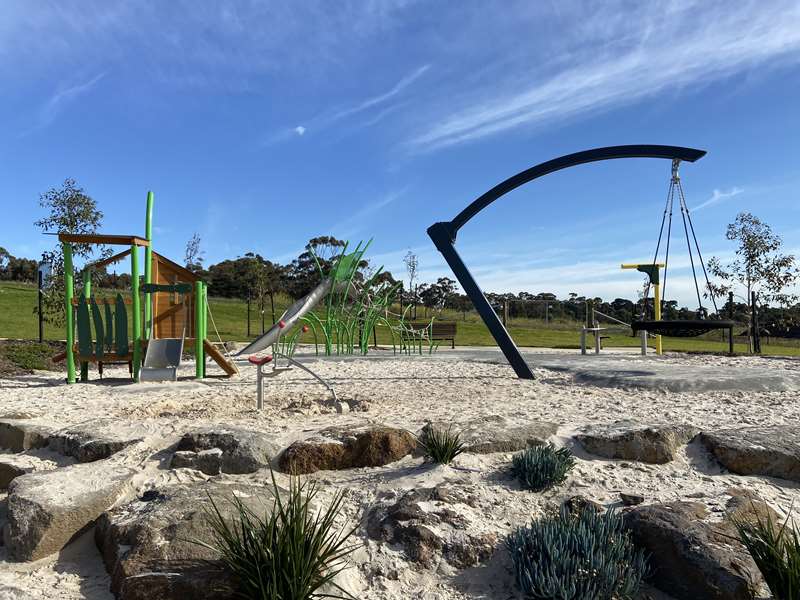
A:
289	318
162	360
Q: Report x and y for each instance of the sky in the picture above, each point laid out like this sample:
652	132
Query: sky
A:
261	124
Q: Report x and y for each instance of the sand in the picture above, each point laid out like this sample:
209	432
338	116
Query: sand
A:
404	392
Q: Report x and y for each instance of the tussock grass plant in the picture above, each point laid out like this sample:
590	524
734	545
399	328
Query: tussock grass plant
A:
289	553
541	467
776	552
441	446
588	556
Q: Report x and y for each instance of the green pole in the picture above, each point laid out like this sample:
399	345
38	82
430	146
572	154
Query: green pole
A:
87	294
148	260
198	329
137	325
68	292
205	321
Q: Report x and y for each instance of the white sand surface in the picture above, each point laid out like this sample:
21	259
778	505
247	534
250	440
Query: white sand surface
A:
406	392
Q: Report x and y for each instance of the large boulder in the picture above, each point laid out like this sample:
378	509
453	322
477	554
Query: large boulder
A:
47	509
153	547
14	465
94	440
242	451
772	451
432	524
627	440
689	558
19	435
338	448
494	433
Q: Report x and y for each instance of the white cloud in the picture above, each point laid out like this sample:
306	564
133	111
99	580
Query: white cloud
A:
719	196
60	100
300	130
647	54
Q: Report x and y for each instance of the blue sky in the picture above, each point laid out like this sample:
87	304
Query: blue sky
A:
259	125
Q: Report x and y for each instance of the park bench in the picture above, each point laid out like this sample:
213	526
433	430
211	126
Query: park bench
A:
440	331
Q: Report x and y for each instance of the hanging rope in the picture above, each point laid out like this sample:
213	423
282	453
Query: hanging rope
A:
667	209
697	246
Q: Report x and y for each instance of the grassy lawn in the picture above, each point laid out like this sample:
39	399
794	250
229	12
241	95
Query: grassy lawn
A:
18	321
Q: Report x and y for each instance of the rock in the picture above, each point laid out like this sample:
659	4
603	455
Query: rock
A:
431	525
206	461
656	444
494	433
18	435
345	448
47	509
14	465
148	545
93	441
772	451
630	499
577	504
242	451
745	506
689	558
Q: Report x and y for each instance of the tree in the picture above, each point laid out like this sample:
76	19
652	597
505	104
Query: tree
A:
194	255
437	294
411	261
759	265
303	272
71	210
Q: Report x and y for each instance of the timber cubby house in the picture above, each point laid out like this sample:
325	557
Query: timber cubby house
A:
177	310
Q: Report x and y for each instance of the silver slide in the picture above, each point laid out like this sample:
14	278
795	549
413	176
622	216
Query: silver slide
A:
162	359
289	318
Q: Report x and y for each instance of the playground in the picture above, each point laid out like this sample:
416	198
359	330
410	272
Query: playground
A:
151	409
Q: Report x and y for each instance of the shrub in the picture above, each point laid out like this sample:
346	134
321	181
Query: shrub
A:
588	556
441	445
541	467
288	554
776	551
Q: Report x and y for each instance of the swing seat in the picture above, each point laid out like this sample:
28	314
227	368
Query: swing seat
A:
687	328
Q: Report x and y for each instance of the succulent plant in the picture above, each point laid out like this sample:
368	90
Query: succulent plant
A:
542	467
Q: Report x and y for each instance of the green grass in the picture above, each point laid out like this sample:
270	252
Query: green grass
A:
17	320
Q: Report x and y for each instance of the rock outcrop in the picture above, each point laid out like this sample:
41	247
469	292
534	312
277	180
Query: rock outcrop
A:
690	558
88	442
153	547
771	451
18	435
242	451
47	509
338	448
495	433
657	444
432	524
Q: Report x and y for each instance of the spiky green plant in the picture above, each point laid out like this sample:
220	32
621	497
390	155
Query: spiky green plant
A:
588	556
441	445
289	553
542	467
776	552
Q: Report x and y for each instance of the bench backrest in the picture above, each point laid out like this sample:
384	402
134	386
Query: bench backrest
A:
441	329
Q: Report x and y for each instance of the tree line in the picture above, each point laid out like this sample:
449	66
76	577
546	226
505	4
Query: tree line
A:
759	266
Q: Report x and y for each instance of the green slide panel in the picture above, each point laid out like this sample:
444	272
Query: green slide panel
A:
121	326
99	330
109	328
84	329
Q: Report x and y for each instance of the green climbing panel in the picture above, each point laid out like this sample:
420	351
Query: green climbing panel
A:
84	329
121	326
109	341
98	329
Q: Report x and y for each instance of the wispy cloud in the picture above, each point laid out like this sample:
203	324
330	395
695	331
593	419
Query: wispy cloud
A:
59	101
687	47
719	196
350	225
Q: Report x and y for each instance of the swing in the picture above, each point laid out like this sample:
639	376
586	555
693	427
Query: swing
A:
686	327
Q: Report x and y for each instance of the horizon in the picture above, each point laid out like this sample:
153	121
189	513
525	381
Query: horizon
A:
260	126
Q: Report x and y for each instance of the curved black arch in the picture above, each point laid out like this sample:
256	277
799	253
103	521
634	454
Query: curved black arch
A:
444	233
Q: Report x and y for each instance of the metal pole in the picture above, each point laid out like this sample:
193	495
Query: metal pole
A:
41	317
69	290
137	324
756	333
248	315
657	302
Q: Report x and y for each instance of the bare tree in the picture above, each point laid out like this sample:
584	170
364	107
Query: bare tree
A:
194	255
411	261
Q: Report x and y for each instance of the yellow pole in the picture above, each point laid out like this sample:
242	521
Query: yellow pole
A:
657	301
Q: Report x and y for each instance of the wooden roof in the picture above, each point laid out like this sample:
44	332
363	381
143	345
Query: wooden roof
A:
98	238
183	271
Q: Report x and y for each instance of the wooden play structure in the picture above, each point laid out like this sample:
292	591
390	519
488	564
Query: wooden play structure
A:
171	305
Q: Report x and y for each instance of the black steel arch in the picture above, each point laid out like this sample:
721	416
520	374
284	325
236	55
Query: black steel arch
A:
444	233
